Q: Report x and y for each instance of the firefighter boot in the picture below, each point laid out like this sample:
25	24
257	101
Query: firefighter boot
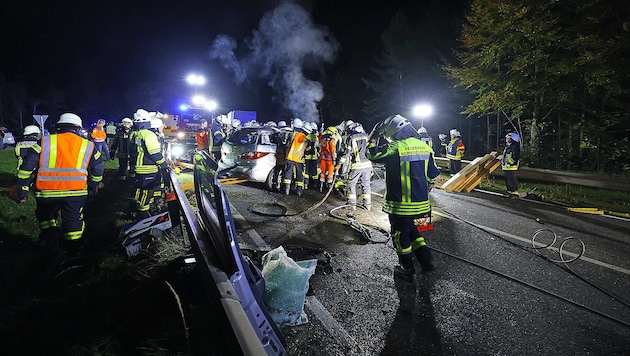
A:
425	257
405	271
74	248
298	190
49	238
287	189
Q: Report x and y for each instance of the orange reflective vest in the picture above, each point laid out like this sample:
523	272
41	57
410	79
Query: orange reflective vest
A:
98	134
63	162
297	148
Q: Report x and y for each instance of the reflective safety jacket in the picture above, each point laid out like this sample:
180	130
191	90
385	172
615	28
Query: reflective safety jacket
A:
22	148
148	152
296	147
410	168
328	147
356	151
65	164
426	138
201	137
98	134
511	157
121	143
312	147
455	149
216	137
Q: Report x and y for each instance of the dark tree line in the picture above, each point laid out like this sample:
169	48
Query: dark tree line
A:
557	72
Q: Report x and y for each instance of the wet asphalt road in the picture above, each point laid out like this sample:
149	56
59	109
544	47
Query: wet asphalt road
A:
492	294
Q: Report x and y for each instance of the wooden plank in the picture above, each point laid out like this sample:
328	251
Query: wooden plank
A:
494	164
471	173
450	184
479	172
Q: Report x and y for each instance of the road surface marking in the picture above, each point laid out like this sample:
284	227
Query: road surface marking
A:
529	241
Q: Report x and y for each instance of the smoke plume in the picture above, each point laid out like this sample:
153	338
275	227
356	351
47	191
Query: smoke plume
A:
285	44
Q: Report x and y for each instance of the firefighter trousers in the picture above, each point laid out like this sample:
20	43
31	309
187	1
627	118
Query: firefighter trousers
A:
71	210
294	169
362	175
408	242
144	187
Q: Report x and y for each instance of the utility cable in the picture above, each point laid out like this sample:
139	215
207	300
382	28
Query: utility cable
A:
622	322
317	205
372	233
561	263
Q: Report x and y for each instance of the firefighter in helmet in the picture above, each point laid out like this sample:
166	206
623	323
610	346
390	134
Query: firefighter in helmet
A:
121	147
30	141
509	163
359	166
150	164
294	165
69	169
411	171
455	151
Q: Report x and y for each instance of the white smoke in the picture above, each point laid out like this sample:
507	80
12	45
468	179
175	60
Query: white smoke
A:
286	42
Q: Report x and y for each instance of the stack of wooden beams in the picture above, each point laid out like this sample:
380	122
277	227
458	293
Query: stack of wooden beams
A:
471	175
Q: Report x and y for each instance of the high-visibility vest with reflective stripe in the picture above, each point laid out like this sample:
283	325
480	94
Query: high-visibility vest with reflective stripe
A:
98	134
298	146
63	162
149	152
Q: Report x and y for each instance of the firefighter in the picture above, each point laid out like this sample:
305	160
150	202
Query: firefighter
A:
69	169
157	126
121	147
360	167
509	163
216	135
424	136
30	141
342	166
99	135
201	137
294	165
327	157
411	171
455	151
311	157
110	130
150	164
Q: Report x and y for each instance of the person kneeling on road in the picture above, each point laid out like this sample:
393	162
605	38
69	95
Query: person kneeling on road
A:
411	171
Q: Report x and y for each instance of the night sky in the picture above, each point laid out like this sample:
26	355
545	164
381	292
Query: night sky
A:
105	48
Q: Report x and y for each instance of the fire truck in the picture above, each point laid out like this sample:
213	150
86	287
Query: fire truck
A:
179	134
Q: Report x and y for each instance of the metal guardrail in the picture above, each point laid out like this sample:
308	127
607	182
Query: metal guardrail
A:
223	269
550	176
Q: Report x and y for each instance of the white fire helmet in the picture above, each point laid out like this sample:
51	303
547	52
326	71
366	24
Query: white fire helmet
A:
70	119
141	114
156	123
393	124
455	133
126	122
297	123
31	130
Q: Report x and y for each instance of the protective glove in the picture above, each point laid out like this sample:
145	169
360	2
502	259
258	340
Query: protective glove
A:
376	132
166	176
18	193
92	189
